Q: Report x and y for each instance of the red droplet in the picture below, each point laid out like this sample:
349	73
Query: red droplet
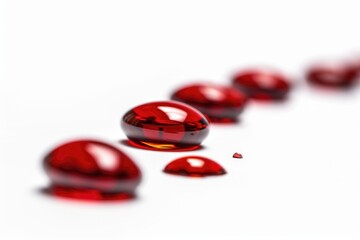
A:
237	155
262	84
218	103
194	166
356	65
92	170
166	125
332	74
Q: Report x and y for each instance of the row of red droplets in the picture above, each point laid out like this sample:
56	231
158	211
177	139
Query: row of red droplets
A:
91	169
172	126
223	103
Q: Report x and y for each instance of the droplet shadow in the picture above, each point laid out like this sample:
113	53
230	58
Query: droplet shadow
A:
274	102
127	143
231	122
346	91
74	196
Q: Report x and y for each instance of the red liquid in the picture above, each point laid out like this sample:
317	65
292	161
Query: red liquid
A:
332	74
194	166
219	103
166	125
262	84
91	170
356	66
237	155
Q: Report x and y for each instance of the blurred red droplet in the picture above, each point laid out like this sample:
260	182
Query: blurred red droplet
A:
221	104
262	84
91	170
332	74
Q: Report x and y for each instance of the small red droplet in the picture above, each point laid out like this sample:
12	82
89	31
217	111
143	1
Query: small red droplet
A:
332	74
221	104
166	125
262	84
194	166
237	155
91	170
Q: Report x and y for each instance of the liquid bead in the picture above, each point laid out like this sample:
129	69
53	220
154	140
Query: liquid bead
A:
91	170
262	84
219	103
166	125
194	166
237	155
332	74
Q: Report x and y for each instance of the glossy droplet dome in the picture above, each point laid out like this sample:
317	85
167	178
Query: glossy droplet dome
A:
166	125
90	169
262	84
194	166
219	103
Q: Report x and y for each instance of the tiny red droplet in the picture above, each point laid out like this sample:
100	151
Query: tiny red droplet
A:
237	155
194	166
332	74
91	170
219	103
262	84
166	125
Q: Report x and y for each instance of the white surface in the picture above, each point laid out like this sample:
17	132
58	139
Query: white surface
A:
72	68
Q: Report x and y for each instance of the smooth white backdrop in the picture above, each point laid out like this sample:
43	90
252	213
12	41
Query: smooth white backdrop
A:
72	68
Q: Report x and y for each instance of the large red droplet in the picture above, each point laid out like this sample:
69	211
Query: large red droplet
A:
166	125
262	84
218	103
92	170
332	74
194	166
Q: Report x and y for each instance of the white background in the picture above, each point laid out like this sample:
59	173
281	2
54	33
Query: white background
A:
72	68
